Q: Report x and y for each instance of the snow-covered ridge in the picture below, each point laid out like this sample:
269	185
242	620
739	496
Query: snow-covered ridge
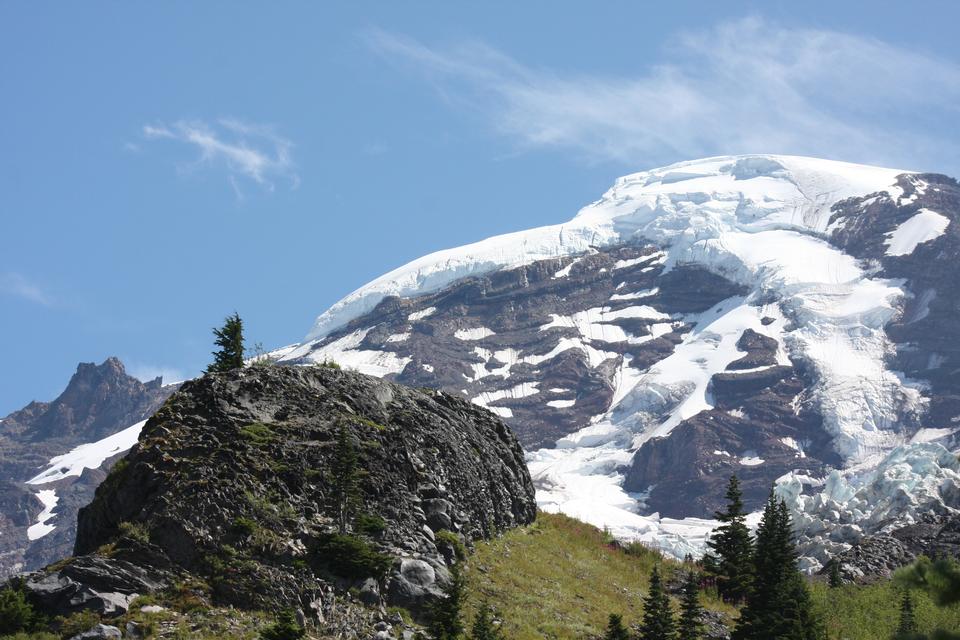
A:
751	193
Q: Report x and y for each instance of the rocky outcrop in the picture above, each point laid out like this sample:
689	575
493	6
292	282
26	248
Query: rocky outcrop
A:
99	401
876	557
232	483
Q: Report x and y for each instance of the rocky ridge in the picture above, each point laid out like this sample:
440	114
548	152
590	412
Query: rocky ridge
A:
229	488
99	401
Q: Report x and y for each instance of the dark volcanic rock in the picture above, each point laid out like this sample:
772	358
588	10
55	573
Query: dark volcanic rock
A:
878	556
99	401
230	483
757	411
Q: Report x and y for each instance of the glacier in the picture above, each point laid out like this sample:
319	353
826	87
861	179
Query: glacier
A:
759	220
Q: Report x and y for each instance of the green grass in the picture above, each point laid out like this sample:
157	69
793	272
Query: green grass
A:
561	578
258	433
853	612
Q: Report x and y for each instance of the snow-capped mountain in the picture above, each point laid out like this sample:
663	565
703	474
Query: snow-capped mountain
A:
54	454
788	319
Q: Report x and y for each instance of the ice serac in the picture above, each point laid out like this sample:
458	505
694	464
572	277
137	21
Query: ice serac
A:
747	314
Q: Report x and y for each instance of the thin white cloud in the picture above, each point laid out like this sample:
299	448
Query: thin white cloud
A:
15	284
245	151
747	86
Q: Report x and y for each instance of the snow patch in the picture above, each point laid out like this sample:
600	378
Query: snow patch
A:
88	456
49	499
420	315
476	333
561	404
923	226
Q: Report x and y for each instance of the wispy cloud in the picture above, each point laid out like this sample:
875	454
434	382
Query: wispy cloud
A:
741	87
245	151
15	284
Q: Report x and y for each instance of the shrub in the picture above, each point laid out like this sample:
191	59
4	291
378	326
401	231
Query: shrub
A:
244	526
348	556
285	628
16	614
258	433
370	524
135	531
77	623
450	538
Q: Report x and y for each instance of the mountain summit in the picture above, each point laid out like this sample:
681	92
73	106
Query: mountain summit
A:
787	319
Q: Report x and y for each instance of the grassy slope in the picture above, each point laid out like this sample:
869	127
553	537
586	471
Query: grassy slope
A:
560	578
871	612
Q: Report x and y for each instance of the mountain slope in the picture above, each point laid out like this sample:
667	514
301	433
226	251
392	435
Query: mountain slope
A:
743	314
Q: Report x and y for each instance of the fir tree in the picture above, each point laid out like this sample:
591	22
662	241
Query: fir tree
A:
483	627
907	626
731	548
691	613
446	622
615	629
658	622
344	480
285	628
836	580
779	604
230	341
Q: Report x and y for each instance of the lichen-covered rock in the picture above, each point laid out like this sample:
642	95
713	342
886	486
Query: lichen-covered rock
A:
230	483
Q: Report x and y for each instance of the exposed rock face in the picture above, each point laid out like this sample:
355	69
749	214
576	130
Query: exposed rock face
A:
878	556
230	482
99	400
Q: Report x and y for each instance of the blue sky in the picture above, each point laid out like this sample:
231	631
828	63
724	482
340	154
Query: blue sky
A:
164	164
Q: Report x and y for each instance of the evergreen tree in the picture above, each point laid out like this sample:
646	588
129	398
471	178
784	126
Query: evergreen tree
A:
483	627
344	479
835	578
691	613
940	578
778	605
230	341
729	561
615	629
907	626
446	622
285	628
658	622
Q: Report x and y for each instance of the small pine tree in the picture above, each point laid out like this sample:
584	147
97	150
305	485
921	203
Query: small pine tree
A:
691	613
836	580
345	480
658	622
907	626
483	627
16	614
285	628
731	548
615	628
230	341
446	622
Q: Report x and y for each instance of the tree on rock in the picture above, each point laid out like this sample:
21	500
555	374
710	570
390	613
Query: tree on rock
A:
778	604
615	629
230	341
345	479
731	547
658	622
691	613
